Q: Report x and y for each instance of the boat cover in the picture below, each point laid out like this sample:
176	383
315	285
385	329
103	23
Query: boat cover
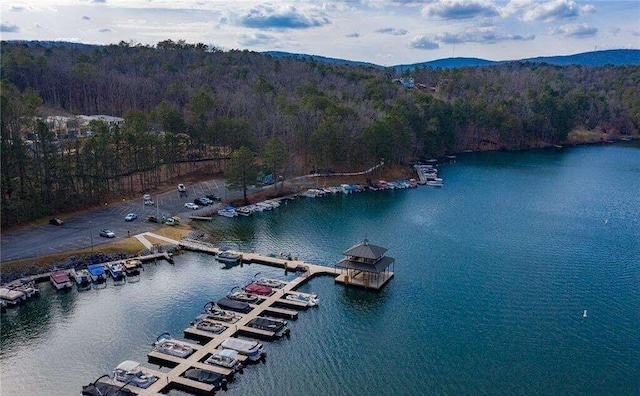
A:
96	269
60	277
233	305
257	289
128	366
229	353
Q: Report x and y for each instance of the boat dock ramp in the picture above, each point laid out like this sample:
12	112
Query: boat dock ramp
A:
175	379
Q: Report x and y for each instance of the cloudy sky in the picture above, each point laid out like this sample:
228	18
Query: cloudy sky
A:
385	32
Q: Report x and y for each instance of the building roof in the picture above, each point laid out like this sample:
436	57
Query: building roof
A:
365	250
378	266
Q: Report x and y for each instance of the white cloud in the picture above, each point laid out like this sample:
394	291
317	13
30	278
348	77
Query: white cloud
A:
269	17
257	39
460	9
6	28
485	35
423	42
555	10
392	31
575	30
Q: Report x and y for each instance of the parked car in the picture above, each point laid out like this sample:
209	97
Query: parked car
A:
107	234
130	217
202	201
181	187
214	198
56	221
191	205
153	219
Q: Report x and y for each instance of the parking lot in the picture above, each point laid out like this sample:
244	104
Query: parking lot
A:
83	230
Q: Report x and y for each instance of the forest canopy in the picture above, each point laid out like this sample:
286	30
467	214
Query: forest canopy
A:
184	103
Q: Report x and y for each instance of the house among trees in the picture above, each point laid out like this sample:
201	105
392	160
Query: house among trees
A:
407	82
75	126
365	265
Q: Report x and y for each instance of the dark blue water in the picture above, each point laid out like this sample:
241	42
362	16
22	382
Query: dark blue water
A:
493	273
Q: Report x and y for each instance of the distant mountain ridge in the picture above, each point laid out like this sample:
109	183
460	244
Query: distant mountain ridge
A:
616	57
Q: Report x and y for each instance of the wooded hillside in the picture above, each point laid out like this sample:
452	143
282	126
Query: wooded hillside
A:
183	103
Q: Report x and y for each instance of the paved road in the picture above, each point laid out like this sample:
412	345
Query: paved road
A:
82	231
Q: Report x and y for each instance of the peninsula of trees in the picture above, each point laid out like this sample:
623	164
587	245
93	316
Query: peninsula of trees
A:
183	103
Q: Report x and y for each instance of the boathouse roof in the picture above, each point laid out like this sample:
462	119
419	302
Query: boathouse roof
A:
365	250
378	266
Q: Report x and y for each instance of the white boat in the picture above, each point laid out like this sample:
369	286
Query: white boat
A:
225	358
253	350
60	280
311	301
243	296
170	346
201	323
244	211
214	312
82	278
228	211
265	205
228	257
273	203
435	182
273	283
311	193
12	297
117	273
28	288
130	372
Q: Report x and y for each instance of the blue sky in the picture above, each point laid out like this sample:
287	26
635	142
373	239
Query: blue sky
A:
385	32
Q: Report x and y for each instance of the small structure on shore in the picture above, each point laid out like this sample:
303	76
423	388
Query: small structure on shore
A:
365	265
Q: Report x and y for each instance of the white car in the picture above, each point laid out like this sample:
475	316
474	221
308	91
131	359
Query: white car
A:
191	205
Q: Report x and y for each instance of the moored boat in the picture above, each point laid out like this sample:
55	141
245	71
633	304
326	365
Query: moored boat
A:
253	288
60	280
205	376
277	326
253	350
225	358
228	257
132	267
12	297
243	296
117	273
273	283
82	278
228	211
97	273
214	312
170	346
201	323
233	305
130	372
103	388
310	300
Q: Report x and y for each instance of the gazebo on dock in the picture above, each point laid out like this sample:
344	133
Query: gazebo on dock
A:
365	265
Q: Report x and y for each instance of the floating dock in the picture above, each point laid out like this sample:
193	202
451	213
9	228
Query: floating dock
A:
174	380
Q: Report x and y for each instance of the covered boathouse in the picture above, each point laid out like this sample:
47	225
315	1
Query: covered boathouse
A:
365	265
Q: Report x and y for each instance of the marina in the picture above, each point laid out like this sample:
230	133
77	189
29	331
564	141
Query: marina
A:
466	312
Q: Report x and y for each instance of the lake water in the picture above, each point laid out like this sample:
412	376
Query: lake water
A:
493	273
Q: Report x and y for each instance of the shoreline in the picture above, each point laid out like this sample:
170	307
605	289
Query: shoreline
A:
24	268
